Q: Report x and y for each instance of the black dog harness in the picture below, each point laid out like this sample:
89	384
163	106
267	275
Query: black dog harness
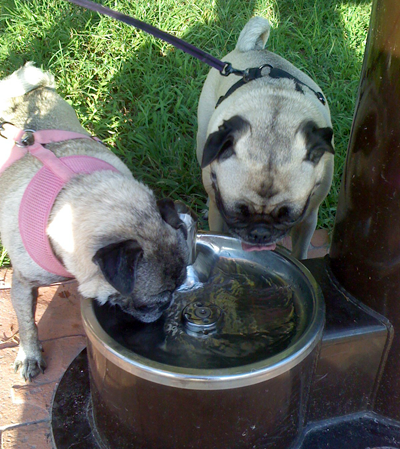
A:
256	73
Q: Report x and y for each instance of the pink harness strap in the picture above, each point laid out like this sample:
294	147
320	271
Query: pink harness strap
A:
42	191
18	149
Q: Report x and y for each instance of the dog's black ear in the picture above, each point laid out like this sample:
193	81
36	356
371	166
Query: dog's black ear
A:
170	215
220	144
318	141
118	263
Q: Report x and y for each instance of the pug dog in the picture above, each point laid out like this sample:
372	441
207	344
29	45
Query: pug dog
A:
265	146
104	228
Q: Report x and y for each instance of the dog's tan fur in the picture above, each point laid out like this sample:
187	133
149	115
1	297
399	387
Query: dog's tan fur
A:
266	170
90	213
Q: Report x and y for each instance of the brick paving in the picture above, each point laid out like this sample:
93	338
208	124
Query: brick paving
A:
25	408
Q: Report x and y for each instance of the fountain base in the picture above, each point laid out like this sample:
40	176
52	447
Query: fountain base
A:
72	424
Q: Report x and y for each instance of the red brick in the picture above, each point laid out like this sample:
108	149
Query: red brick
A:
62	335
5	277
32	436
63	317
27	402
320	238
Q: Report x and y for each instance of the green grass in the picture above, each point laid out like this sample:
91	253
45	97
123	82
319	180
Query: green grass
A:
140	94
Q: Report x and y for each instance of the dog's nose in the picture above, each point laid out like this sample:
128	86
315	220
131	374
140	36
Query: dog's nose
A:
260	233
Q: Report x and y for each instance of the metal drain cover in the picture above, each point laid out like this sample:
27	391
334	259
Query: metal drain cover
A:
201	317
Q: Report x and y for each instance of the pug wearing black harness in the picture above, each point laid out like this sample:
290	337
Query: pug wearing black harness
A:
265	146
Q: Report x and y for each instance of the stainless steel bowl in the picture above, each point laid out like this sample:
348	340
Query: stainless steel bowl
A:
160	395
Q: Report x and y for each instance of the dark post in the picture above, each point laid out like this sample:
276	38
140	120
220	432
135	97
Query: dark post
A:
365	252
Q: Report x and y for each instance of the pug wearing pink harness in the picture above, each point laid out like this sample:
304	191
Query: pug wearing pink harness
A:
70	208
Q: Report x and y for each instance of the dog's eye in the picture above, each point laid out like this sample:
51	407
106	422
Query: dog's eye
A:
283	213
244	210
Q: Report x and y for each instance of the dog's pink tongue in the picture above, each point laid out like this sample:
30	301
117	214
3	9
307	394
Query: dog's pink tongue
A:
247	247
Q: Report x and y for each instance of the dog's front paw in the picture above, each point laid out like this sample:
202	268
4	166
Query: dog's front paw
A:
30	364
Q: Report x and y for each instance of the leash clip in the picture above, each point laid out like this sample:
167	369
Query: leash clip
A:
27	139
249	74
229	70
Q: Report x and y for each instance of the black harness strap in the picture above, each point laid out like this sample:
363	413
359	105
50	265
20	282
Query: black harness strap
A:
256	73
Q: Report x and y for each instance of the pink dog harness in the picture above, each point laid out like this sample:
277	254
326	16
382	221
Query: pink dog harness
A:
42	191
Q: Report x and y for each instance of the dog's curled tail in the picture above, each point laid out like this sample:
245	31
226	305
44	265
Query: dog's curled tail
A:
24	80
254	35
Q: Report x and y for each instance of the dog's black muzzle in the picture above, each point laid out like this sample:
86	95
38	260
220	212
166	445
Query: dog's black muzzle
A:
259	234
258	229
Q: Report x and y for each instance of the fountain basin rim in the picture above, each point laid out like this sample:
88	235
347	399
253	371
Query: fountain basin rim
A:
211	379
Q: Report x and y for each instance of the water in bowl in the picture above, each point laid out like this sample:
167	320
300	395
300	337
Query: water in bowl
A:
240	315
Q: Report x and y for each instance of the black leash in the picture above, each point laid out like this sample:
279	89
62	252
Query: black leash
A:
224	68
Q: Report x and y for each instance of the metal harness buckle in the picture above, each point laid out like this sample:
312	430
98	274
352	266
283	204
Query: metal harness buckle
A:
27	139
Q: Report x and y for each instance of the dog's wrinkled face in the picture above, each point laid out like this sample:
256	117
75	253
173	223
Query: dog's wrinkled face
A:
144	279
263	181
